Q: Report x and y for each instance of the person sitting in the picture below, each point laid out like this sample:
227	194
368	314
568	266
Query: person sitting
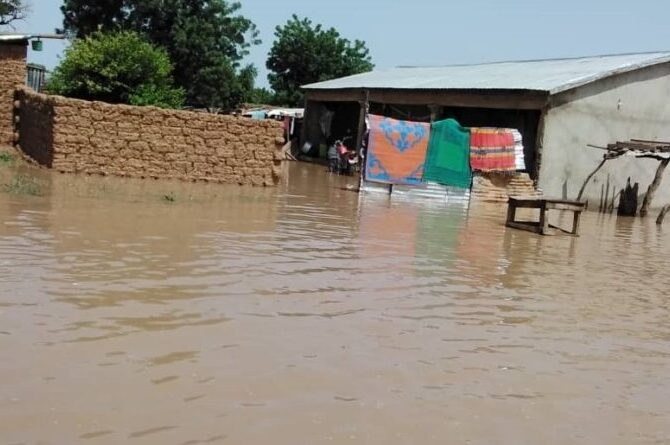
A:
347	159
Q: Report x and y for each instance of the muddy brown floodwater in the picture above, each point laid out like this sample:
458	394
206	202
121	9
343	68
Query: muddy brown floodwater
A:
168	313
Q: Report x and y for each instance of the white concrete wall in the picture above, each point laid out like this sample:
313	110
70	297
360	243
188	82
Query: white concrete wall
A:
629	106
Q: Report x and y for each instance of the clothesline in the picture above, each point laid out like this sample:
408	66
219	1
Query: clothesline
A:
409	152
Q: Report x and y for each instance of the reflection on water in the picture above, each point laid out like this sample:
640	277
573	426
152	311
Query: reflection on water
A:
306	314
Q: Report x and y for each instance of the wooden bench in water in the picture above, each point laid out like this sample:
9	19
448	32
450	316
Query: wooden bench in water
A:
543	204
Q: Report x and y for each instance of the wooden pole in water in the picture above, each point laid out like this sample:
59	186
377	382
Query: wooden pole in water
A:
588	178
646	203
661	216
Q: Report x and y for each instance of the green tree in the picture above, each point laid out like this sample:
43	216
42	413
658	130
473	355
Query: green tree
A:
11	10
304	53
117	68
206	40
262	96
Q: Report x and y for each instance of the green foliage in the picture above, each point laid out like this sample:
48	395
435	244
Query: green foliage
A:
205	39
116	68
23	185
305	53
7	158
11	10
262	96
149	94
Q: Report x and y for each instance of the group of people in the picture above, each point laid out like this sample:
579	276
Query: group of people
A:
344	160
341	159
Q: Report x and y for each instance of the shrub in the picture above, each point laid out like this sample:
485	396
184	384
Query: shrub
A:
116	68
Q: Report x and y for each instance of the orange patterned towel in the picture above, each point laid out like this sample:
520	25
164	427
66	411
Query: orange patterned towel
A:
396	151
492	150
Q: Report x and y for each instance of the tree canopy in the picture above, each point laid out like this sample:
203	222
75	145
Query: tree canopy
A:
117	68
205	39
11	10
304	53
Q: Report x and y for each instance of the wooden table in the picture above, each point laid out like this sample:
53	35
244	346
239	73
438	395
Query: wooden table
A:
543	204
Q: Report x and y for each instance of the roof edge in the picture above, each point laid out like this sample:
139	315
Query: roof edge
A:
548	59
662	57
621	70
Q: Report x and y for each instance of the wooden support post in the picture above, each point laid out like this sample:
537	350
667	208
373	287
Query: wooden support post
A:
646	203
511	212
575	223
363	113
361	123
588	178
661	216
544	221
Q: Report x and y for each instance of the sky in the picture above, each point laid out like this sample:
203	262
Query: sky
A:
442	32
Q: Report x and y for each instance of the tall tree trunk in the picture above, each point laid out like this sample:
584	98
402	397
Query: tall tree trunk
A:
646	203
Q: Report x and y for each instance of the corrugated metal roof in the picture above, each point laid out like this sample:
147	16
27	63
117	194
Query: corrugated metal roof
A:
552	76
5	37
14	37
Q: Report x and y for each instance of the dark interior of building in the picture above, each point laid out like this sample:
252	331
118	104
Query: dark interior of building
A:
328	121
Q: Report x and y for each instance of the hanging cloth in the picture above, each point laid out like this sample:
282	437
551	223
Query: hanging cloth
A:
396	151
519	159
492	150
448	159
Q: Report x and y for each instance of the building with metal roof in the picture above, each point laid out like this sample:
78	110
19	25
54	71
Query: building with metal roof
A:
559	105
549	76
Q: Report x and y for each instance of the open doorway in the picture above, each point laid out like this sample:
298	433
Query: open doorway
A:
326	122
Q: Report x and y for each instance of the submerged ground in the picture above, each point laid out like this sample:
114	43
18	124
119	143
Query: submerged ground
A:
158	312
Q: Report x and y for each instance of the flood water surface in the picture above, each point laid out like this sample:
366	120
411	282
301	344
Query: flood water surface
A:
165	313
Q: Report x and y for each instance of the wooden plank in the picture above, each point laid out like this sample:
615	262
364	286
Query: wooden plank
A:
529	203
531	226
565	201
647	141
527	226
574	207
555	230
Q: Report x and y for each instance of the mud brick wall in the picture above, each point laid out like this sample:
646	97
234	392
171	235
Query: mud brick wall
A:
12	74
34	117
76	136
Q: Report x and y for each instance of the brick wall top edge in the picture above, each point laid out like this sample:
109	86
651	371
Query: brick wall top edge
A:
61	101
29	93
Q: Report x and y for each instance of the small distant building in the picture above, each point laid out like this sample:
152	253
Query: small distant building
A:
36	76
559	106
